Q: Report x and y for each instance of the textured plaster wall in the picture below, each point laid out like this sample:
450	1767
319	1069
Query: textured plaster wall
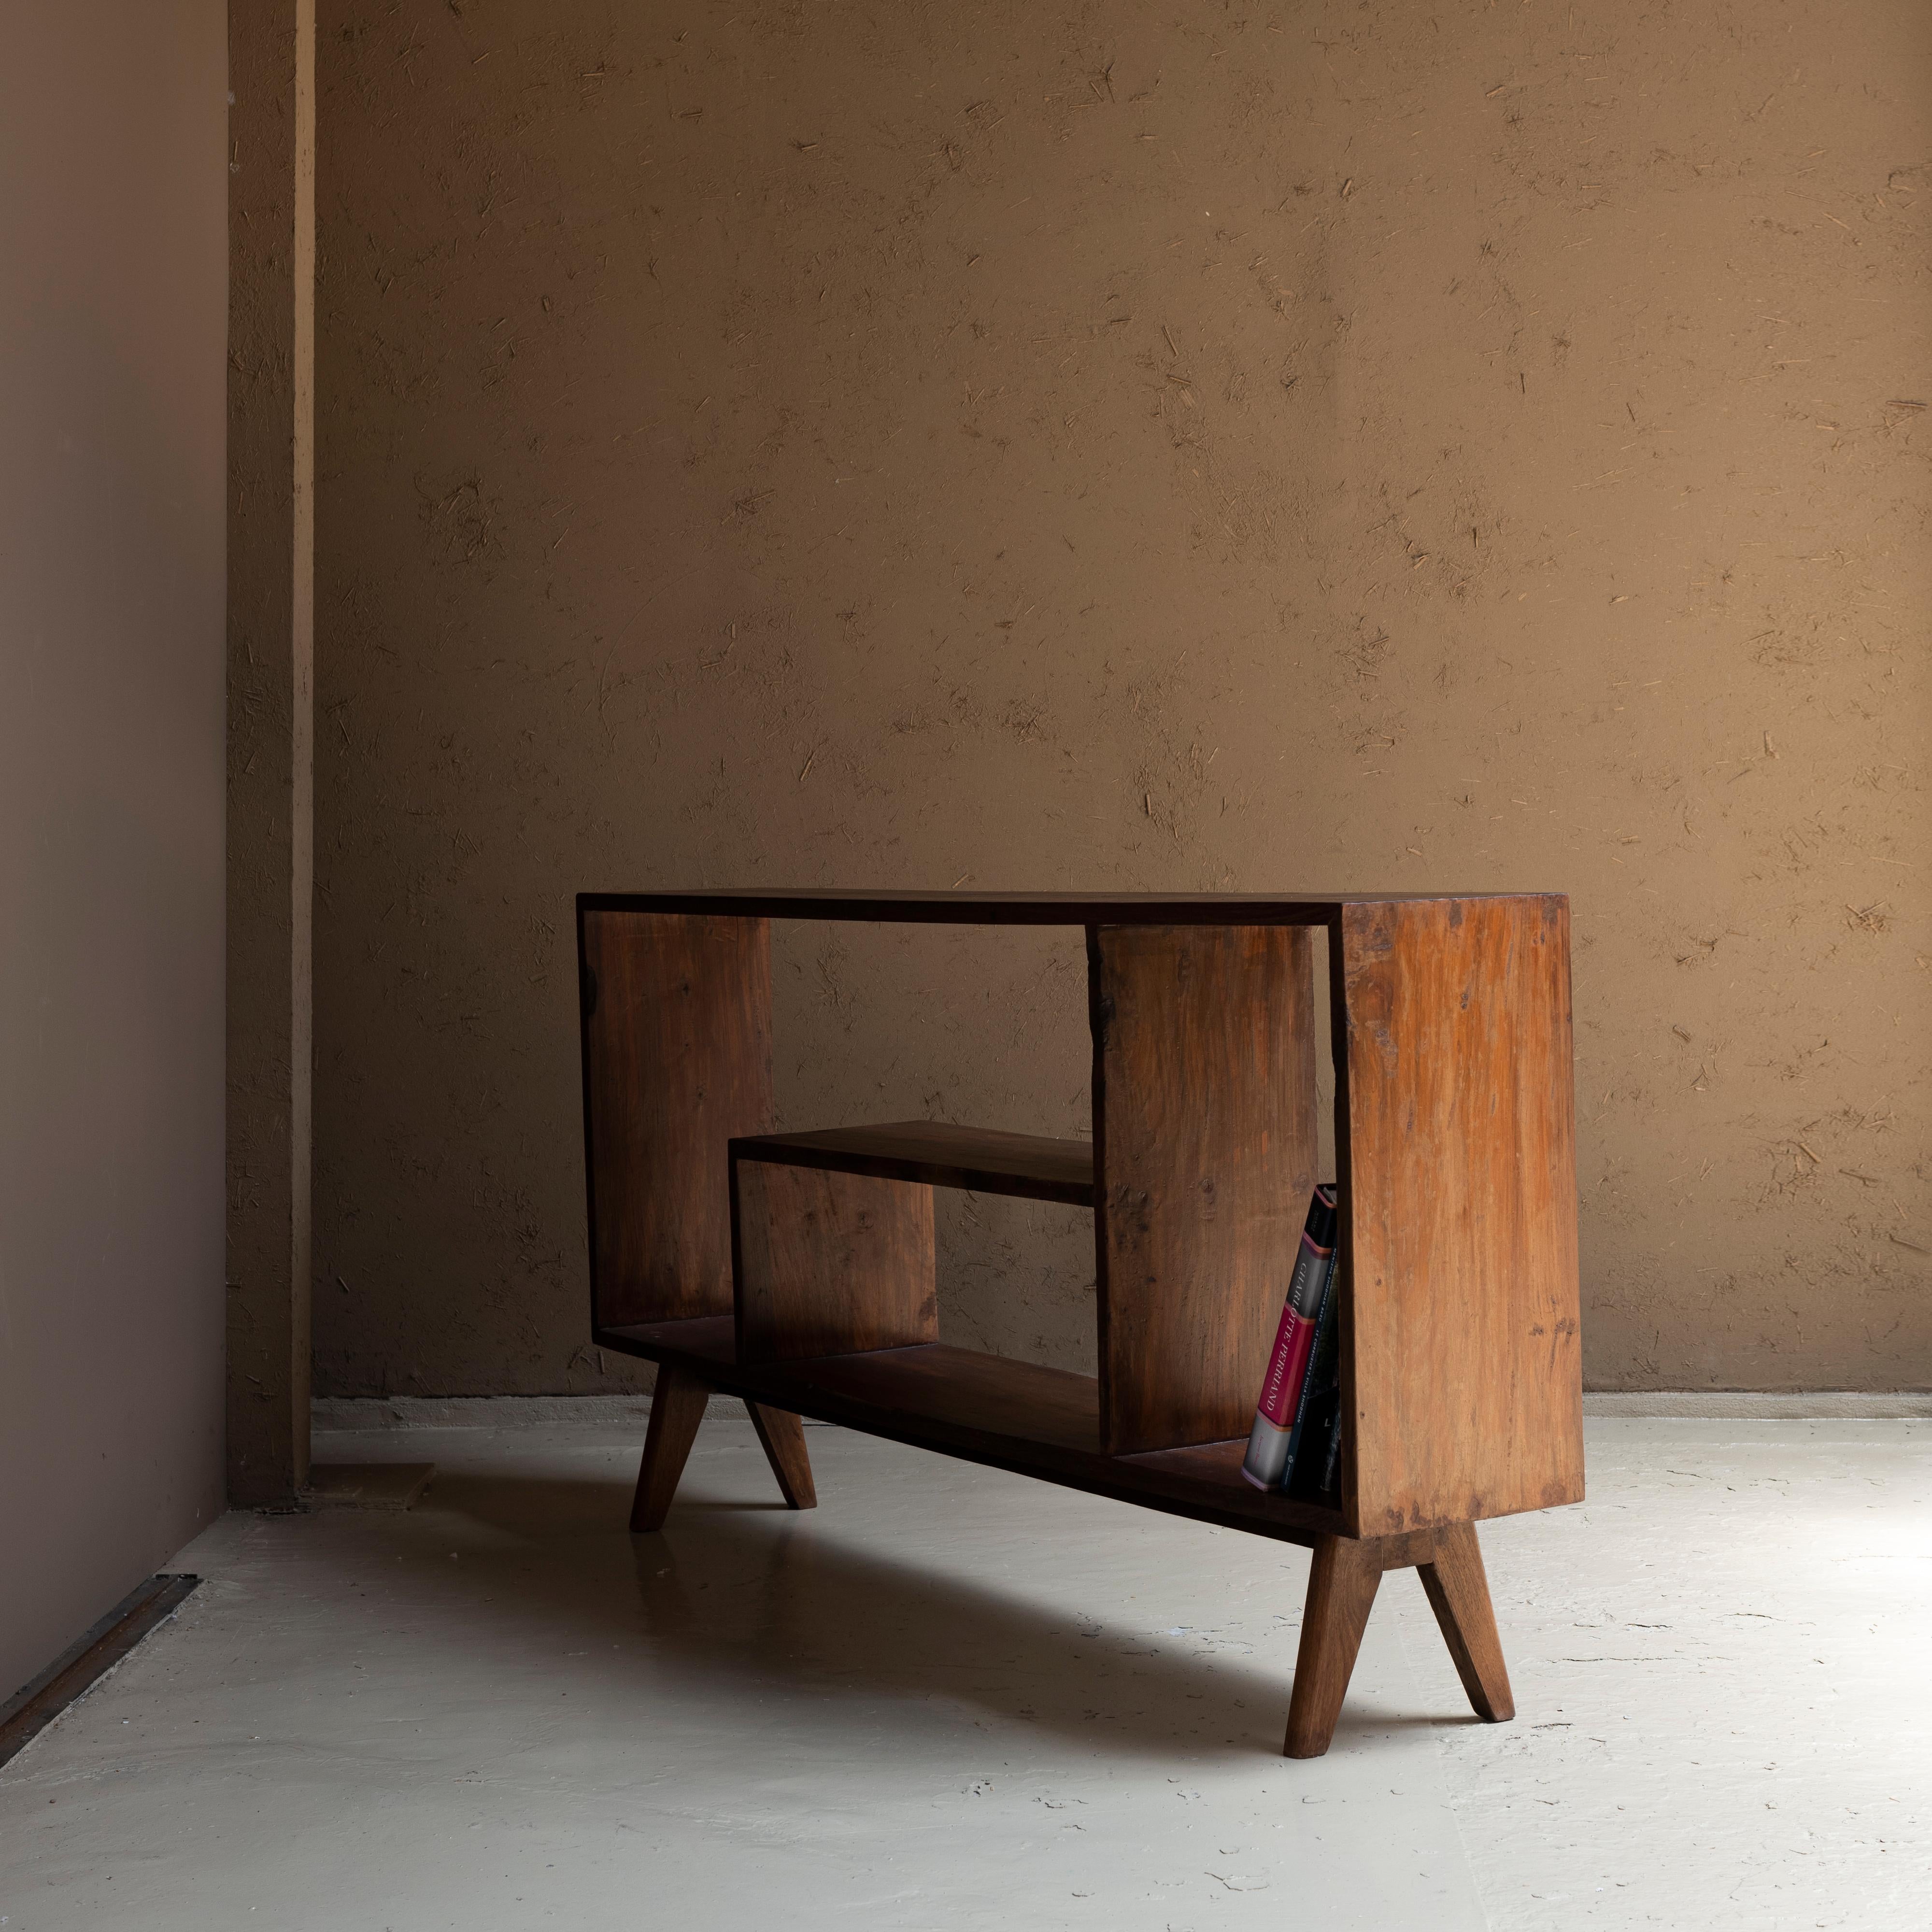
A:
1269	446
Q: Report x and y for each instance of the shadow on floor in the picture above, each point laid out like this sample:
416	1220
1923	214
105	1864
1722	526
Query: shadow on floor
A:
761	1602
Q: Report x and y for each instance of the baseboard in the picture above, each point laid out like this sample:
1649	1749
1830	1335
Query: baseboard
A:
1764	1406
88	1660
330	1414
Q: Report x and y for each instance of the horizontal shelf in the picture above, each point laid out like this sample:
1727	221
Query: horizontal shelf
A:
1018	908
984	1160
983	1408
932	1384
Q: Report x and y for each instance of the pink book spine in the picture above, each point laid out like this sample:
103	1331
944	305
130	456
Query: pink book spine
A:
1266	1463
1294	1342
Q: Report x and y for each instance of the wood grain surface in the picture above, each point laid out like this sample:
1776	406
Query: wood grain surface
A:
986	1160
1461	1361
1204	1137
677	1059
1458	1593
1341	1585
945	1387
829	1263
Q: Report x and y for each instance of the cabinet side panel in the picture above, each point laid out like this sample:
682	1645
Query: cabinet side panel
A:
1205	1150
831	1264
677	1059
1461	1211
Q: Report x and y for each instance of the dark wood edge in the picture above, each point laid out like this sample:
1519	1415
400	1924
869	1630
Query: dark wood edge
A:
1345	1235
1097	1093
774	1150
738	1347
586	1004
1020	908
1127	1479
83	1665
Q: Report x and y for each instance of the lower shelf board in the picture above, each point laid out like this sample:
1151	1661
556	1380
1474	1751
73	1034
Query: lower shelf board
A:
983	1408
985	1160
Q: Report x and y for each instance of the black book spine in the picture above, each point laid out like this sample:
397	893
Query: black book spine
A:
1321	1364
1331	1464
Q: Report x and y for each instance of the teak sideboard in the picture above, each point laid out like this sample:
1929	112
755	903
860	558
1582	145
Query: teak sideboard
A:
796	1270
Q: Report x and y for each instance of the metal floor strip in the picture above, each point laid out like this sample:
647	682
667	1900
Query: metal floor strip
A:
85	1662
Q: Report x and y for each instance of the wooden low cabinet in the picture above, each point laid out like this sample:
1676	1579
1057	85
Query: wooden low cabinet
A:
796	1270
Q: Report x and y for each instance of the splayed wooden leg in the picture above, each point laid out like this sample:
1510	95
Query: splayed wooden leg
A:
1341	1589
782	1436
1459	1594
677	1407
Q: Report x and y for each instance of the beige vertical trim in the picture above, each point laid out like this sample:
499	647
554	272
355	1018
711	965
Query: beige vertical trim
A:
301	800
271	742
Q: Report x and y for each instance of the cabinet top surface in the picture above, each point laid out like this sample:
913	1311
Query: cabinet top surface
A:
1021	908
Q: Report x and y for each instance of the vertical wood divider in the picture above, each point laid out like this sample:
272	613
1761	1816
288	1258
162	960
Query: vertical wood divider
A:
1204	1155
830	1263
676	1015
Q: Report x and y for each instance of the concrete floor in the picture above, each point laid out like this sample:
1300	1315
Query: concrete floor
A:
950	1698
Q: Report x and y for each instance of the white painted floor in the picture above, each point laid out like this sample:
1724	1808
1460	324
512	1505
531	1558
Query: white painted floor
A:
950	1698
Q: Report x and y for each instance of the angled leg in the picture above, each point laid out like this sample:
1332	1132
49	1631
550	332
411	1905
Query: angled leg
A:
782	1436
677	1407
1459	1594
1341	1588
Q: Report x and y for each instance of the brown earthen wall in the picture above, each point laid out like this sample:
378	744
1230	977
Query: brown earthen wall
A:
1472	447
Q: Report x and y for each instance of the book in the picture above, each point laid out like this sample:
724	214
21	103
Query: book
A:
1314	1464
1330	1491
1272	1441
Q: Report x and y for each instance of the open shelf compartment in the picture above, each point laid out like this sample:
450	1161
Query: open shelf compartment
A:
1017	1416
